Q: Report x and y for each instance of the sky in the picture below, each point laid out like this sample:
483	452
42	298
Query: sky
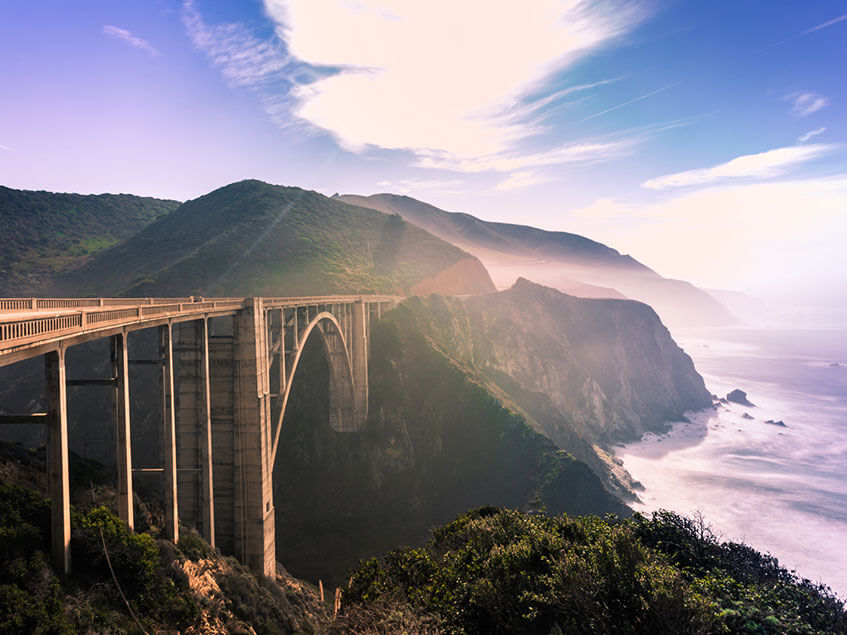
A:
706	139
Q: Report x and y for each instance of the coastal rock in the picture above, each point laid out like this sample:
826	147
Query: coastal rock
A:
746	415
739	397
776	423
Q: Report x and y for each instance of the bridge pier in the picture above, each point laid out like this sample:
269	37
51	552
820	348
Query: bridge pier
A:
169	432
58	483
121	419
194	430
254	510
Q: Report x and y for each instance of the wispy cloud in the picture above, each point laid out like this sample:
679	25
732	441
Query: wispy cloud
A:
242	57
810	134
521	179
803	104
824	25
631	101
408	186
125	36
818	27
7	148
584	153
762	165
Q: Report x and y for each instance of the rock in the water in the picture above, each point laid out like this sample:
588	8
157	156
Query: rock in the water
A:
739	396
776	423
835	364
746	415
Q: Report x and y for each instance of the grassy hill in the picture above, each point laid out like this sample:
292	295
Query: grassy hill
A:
45	233
254	238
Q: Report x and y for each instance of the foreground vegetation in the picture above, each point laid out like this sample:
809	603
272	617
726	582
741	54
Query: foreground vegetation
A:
489	571
502	571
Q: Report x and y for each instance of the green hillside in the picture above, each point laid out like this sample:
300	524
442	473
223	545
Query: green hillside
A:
45	233
254	238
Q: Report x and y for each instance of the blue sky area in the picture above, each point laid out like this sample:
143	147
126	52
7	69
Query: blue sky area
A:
705	138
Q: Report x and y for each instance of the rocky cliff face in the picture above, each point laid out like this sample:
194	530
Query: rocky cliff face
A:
586	373
610	366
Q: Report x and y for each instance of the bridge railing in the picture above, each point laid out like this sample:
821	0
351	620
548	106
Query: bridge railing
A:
81	314
39	327
32	304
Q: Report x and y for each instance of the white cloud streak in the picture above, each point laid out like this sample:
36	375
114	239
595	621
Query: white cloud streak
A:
7	148
762	165
125	36
524	178
407	186
810	134
243	58
631	101
824	25
803	104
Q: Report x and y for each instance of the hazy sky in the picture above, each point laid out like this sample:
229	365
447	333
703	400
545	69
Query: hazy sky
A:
707	139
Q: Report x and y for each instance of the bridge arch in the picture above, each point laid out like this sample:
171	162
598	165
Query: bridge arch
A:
346	413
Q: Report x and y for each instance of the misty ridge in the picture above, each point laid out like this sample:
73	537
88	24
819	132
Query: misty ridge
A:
517	363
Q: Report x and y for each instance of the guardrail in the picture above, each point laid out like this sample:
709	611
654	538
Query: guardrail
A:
34	304
92	313
20	329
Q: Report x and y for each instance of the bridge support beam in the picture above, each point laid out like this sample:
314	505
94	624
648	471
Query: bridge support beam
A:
359	360
58	483
254	510
194	431
120	410
169	432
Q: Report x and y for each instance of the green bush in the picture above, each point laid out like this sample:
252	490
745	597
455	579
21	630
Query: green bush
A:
501	571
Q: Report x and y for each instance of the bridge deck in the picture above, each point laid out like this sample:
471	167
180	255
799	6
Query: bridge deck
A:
31	326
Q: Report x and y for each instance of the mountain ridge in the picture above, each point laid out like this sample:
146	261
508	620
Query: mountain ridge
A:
568	262
253	238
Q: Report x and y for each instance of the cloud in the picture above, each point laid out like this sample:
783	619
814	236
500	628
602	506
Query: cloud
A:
439	78
760	236
407	186
810	134
803	104
583	153
7	148
521	179
762	165
631	101
826	24
243	58
125	36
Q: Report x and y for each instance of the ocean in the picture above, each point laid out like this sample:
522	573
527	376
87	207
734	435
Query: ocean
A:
780	489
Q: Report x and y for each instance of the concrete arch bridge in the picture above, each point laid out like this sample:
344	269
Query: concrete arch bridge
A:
222	409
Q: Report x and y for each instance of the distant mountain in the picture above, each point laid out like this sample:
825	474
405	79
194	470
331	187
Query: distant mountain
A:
46	233
259	239
564	261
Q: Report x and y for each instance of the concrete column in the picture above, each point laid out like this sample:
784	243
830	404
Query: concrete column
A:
169	433
359	360
222	401
254	511
207	478
121	421
193	430
58	484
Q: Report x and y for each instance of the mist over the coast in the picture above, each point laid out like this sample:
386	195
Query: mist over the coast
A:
779	489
